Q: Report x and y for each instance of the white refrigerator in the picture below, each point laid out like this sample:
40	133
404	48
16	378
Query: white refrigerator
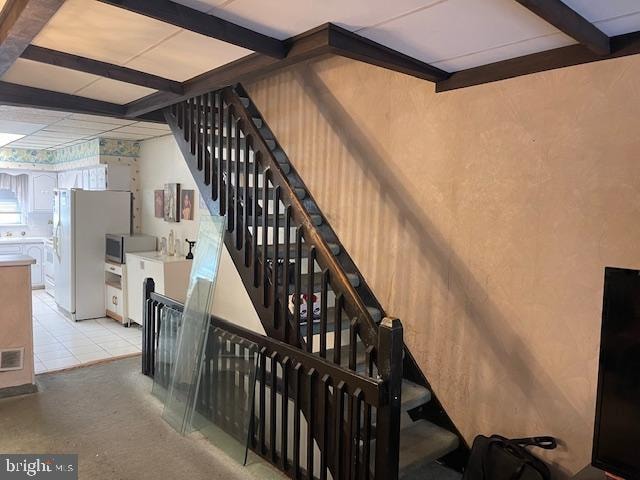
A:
81	219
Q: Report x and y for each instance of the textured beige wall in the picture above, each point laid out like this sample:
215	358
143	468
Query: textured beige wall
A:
483	219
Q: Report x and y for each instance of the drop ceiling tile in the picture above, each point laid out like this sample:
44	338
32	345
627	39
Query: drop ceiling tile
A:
71	130
81	123
186	55
455	28
620	25
126	136
285	18
146	132
48	77
518	49
97	118
594	10
114	91
100	31
30	115
154	126
22	128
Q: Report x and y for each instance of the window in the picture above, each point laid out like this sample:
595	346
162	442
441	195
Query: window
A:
10	211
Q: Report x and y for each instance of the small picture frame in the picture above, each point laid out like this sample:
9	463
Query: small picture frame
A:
172	202
158	202
187	204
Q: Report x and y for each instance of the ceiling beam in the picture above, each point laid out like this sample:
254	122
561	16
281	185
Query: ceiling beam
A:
323	40
567	20
196	21
621	46
102	69
351	45
23	96
20	22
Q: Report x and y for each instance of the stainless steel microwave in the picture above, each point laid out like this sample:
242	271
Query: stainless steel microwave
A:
118	245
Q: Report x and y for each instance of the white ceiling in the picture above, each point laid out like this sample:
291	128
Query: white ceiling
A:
46	129
450	34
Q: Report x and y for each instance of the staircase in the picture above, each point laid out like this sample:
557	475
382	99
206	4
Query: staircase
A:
291	261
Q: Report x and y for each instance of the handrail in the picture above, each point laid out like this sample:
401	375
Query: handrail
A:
369	335
374	390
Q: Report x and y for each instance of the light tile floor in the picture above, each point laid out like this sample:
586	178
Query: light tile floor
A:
61	343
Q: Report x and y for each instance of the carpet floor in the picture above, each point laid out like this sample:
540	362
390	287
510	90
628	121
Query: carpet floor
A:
106	414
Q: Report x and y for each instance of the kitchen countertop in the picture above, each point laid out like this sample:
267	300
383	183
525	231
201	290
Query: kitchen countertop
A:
19	239
158	257
16	260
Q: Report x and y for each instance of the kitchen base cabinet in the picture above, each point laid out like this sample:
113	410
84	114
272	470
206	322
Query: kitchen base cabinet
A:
32	248
170	274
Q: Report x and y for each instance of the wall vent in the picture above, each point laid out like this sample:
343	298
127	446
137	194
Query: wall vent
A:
12	359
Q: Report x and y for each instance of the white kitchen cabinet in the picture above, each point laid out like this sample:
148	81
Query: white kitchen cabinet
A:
36	250
42	186
99	177
114	301
33	248
170	274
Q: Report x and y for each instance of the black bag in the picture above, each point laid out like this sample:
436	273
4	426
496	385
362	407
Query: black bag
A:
498	458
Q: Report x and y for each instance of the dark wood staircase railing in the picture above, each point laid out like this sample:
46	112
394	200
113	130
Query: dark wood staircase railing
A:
290	382
287	253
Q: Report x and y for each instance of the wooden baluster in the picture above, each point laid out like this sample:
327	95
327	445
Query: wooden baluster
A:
284	416
265	232
194	122
206	136
215	379
213	137
236	183
196	142
276	257
324	290
311	399
298	283
311	266
338	403
353	343
228	171
366	454
262	400
221	159
296	421
187	120
254	224
325	385
180	114
337	336
356	433
285	274
272	407
230	405
348	444
247	201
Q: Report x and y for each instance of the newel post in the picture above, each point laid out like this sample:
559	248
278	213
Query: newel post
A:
389	355
148	328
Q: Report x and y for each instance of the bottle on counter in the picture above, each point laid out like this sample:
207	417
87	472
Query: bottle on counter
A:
171	247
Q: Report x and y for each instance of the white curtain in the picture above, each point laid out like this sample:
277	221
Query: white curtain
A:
19	185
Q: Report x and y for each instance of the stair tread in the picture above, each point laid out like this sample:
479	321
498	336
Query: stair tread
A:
423	442
414	395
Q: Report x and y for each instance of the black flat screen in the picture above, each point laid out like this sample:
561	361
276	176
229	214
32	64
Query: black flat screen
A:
616	446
